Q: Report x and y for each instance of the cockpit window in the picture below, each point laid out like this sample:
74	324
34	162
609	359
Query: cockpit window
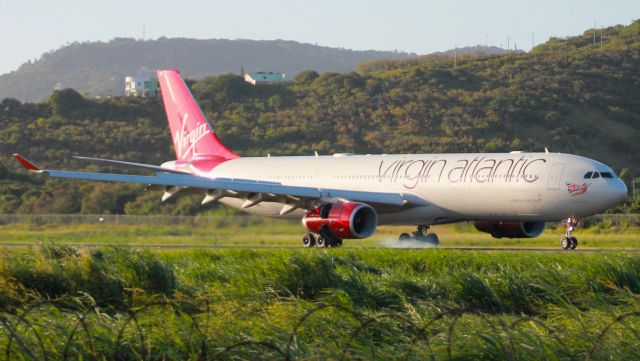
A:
594	175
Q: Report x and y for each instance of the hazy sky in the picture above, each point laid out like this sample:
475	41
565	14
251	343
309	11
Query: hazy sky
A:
29	28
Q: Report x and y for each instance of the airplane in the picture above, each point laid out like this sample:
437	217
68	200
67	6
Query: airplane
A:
347	196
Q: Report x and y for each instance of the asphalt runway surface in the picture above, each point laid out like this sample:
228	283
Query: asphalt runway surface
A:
217	246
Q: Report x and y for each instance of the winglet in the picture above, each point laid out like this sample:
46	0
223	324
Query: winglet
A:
27	164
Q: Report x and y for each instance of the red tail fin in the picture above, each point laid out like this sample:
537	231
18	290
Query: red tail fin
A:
192	134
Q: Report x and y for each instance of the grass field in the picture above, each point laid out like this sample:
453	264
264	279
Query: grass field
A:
61	302
60	299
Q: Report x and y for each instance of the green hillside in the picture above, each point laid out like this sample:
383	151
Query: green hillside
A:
568	95
99	68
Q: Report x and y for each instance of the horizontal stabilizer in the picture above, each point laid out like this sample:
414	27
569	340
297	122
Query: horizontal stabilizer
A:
132	164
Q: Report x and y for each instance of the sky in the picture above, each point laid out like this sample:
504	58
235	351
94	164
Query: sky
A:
29	28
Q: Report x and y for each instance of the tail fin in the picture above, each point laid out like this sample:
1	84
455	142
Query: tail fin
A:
192	134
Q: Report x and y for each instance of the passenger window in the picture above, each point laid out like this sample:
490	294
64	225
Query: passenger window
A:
595	175
588	175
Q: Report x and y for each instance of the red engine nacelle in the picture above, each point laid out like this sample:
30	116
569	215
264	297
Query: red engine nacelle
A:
343	219
500	229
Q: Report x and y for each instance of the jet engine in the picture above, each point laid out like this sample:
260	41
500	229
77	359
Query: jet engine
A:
499	229
343	220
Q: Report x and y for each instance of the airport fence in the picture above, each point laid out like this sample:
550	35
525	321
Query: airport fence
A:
621	220
607	220
117	219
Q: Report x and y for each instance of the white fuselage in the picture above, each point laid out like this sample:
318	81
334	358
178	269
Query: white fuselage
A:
490	186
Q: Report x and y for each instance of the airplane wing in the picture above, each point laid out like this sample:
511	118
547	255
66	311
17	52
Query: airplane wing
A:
254	191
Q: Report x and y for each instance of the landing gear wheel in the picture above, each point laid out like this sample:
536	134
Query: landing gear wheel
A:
420	236
321	241
308	240
574	242
565	243
432	238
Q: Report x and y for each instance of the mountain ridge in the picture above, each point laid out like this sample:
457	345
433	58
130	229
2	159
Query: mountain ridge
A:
96	68
99	68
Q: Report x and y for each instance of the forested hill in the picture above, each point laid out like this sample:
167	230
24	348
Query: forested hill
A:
99	68
568	95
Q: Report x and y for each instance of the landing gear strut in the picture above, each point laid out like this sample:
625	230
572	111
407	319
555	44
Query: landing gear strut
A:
568	241
420	236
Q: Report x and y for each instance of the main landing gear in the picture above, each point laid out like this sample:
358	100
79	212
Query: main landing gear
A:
322	240
420	236
568	241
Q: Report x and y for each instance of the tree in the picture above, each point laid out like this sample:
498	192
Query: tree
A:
3	171
66	102
306	77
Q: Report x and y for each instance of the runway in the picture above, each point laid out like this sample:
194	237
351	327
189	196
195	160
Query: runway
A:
266	247
560	250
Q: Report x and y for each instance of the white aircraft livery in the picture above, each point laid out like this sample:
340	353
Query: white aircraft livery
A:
346	196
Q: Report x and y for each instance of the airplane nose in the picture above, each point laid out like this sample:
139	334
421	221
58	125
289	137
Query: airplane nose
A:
619	191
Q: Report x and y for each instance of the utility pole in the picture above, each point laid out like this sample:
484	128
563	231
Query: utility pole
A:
508	46
455	56
594	32
486	40
144	31
533	41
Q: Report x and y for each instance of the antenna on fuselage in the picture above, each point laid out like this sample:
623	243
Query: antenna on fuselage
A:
546	150
315	152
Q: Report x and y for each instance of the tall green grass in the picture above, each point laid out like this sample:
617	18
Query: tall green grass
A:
121	303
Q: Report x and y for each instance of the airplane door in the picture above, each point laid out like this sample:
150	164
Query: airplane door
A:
322	174
555	176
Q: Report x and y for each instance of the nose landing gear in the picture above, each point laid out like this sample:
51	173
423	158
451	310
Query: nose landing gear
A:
568	241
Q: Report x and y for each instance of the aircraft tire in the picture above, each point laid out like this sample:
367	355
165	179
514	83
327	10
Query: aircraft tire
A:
433	239
565	243
321	241
308	240
574	242
404	237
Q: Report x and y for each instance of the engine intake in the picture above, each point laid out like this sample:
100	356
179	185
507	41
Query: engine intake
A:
343	220
499	229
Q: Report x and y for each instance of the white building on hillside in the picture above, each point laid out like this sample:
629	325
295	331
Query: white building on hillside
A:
140	86
263	77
